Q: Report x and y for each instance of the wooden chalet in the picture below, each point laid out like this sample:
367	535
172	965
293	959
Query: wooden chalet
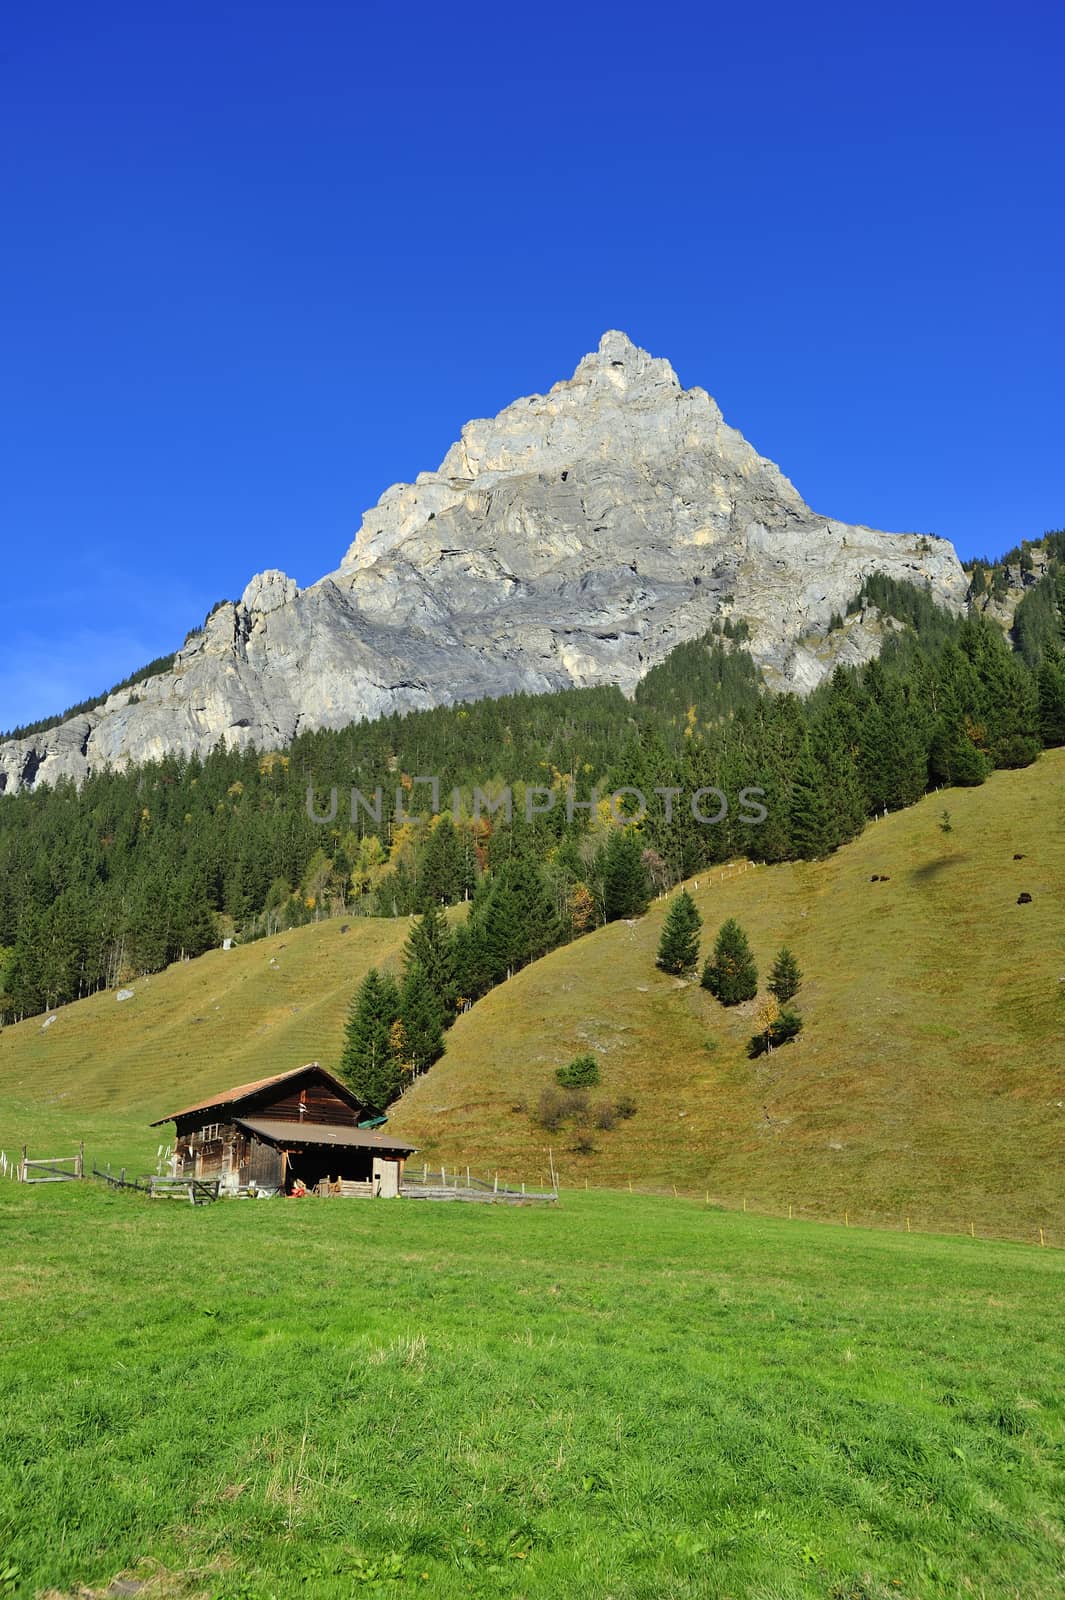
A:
297	1126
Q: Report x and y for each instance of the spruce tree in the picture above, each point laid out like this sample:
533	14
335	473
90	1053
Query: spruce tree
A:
730	973
422	1018
1051	689
431	947
678	948
625	885
785	977
810	821
518	918
367	1062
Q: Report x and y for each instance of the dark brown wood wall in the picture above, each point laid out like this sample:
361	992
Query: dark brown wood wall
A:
320	1102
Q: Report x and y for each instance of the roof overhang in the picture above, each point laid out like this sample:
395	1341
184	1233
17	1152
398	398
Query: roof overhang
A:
289	1135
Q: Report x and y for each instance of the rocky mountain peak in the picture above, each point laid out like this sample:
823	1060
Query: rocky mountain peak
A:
573	539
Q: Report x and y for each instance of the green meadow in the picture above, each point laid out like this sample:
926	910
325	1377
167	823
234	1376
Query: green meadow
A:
624	1397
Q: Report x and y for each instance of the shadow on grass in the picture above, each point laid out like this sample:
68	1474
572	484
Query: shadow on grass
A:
932	869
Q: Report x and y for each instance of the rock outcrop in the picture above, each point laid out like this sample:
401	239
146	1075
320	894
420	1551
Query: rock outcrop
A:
574	539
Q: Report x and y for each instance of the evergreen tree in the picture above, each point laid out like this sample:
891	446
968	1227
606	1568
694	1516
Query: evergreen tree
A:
431	947
678	948
623	875
517	917
367	1063
810	810
473	964
422	1018
730	973
785	976
1051	690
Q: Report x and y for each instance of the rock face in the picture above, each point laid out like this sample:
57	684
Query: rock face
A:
574	539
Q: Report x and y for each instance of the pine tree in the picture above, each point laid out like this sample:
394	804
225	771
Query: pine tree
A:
1051	688
422	1020
730	973
625	885
517	917
431	947
810	810
678	948
785	977
367	1063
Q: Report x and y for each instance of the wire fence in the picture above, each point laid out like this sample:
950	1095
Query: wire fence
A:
1048	1234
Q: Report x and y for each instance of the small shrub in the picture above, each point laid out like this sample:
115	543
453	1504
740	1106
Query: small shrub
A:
605	1115
583	1146
554	1108
580	1073
787	1026
625	1107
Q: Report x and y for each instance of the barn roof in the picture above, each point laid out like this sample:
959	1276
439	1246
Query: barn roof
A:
278	1130
242	1091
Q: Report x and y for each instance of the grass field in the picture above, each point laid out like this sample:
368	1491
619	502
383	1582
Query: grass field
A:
635	1398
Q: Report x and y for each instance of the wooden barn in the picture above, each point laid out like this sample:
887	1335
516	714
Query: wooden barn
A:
298	1127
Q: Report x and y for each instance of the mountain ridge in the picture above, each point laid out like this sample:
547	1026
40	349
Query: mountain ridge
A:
571	540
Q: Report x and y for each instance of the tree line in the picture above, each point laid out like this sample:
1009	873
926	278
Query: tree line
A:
141	867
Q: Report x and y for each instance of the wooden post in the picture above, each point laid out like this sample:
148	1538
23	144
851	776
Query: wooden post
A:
122	1176
907	1224
630	1185
789	1213
81	1159
22	1166
846	1219
1042	1240
745	1202
467	1177
972	1230
674	1191
523	1185
554	1174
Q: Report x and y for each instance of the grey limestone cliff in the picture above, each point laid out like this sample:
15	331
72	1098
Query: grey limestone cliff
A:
574	539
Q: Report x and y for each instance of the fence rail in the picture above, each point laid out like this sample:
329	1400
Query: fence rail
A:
51	1169
459	1183
200	1191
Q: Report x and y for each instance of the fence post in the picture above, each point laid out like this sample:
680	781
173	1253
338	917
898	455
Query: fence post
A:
22	1167
81	1159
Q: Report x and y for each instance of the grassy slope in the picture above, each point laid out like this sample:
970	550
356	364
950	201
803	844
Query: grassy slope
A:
626	1397
933	1056
935	1032
104	1069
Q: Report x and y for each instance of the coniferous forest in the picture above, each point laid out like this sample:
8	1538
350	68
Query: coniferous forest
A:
139	868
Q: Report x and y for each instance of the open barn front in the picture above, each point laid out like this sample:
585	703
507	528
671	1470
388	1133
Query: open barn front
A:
325	1158
301	1130
314	1164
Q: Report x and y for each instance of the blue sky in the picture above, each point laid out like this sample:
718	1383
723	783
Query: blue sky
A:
260	262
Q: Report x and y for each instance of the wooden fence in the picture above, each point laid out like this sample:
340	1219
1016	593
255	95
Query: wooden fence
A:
459	1183
199	1191
51	1169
